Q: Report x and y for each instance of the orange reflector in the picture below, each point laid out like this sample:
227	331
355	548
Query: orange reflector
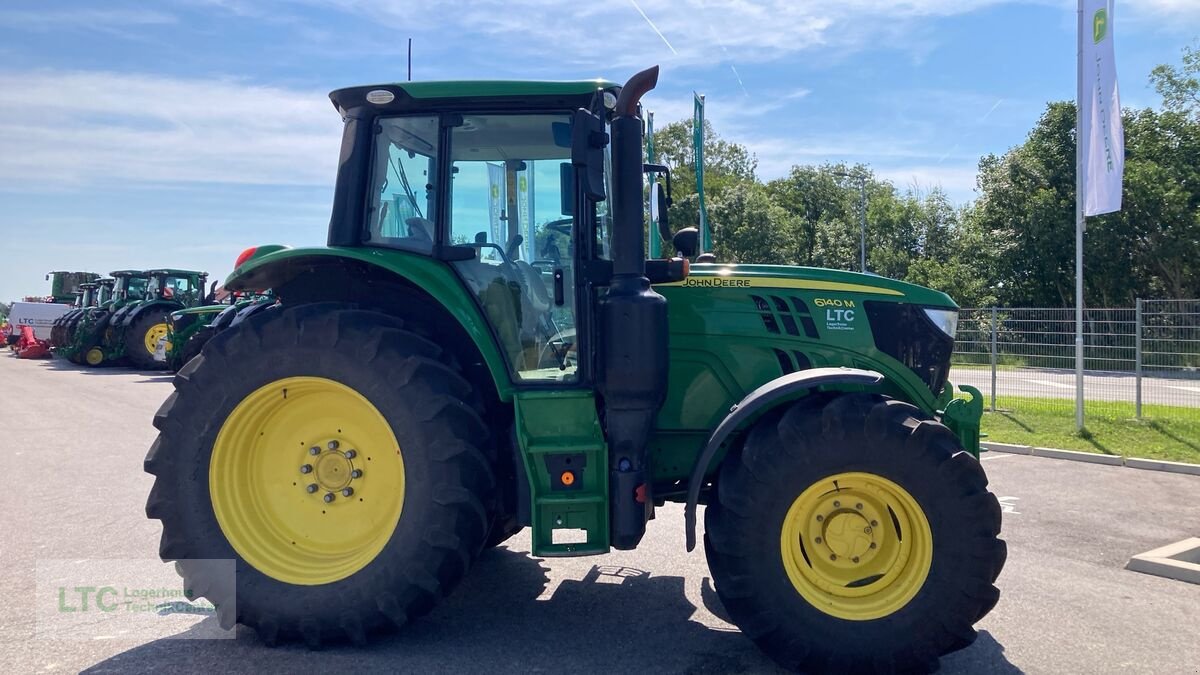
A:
687	267
244	256
567	478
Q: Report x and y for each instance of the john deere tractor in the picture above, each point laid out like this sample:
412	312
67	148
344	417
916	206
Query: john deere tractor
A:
423	391
133	332
63	327
73	331
190	329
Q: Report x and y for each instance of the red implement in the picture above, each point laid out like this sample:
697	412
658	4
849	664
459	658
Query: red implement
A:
30	347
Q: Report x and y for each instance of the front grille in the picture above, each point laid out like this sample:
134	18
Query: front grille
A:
903	332
787	365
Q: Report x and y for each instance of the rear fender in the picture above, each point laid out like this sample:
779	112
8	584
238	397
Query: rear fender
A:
154	306
361	275
769	395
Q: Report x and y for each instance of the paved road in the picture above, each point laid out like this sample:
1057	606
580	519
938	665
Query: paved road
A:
1048	383
74	442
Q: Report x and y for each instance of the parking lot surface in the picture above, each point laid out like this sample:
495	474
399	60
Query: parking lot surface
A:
74	489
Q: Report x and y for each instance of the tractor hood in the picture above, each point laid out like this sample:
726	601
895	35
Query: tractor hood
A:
766	277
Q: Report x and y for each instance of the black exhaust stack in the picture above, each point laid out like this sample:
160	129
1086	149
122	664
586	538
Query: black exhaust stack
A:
633	325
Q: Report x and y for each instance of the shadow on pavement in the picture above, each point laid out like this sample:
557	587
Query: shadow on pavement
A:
616	619
106	369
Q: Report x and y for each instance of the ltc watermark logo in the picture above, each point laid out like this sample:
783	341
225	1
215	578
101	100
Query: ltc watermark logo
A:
1099	25
141	599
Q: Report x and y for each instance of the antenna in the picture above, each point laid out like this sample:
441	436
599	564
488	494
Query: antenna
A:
410	59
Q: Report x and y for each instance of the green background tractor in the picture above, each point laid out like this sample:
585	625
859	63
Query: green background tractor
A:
134	331
190	329
129	286
437	378
74	331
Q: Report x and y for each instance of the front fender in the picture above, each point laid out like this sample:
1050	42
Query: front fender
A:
768	395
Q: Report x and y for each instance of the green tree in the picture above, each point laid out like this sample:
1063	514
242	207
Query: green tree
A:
1180	86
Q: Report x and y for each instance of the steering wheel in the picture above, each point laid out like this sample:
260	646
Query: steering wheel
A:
419	227
561	226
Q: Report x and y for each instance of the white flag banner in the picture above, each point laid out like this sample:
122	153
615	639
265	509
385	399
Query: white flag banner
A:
1100	110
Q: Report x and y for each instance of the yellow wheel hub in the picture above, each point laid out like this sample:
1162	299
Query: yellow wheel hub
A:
153	335
306	480
856	546
94	356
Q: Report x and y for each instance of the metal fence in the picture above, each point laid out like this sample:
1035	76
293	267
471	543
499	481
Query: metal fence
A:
1141	361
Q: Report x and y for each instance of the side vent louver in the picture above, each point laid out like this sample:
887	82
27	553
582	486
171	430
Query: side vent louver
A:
787	316
787	365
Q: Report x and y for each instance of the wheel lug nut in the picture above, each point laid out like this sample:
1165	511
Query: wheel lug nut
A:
346	492
867	530
833	556
357	473
854	559
332	445
314	450
874	523
837	505
820	518
329	497
307	468
818	540
858	506
872	544
311	488
351	454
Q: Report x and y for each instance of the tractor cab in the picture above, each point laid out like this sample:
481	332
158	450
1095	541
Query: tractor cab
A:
104	290
184	287
88	295
128	285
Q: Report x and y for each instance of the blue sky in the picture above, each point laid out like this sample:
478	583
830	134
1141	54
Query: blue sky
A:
176	133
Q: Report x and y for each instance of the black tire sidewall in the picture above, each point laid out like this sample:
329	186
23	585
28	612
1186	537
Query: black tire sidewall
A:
244	370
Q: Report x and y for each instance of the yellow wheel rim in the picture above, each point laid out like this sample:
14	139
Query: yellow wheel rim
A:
94	356
856	546
153	335
306	480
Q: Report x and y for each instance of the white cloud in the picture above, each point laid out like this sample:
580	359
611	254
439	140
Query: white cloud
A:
689	32
85	127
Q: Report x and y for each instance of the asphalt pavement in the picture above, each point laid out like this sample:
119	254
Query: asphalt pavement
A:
1097	386
75	491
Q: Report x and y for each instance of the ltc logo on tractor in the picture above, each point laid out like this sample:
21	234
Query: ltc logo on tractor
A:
839	313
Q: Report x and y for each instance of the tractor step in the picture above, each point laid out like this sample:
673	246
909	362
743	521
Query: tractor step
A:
566	461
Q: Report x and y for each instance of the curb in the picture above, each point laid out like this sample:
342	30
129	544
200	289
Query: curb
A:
1095	458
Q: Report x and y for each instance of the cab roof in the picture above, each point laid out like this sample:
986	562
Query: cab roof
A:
410	96
175	273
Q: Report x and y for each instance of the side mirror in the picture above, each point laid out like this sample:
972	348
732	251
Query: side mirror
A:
660	200
566	188
687	241
659	204
588	140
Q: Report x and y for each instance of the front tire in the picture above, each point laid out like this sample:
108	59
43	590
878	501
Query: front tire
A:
336	380
141	340
851	533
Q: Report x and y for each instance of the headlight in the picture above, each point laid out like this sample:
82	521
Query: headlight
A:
944	319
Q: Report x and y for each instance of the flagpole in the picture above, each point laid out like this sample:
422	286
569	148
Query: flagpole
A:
1079	224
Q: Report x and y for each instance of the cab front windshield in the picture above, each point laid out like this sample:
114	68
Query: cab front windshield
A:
129	287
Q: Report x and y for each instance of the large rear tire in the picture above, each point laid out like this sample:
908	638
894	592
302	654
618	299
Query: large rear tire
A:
851	533
321	377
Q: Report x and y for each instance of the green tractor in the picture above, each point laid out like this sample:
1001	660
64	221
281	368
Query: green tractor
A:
190	329
128	287
63	327
133	332
424	391
71	332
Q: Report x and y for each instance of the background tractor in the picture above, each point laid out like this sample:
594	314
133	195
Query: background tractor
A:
128	286
190	329
133	331
424	391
